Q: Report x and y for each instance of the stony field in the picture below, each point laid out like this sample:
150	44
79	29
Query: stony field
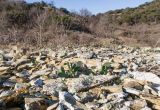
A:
124	78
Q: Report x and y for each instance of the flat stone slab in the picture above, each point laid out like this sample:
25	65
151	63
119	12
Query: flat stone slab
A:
146	76
87	82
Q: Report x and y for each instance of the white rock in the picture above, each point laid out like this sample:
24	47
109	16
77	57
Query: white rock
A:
60	107
3	69
125	108
132	91
67	99
52	107
157	58
157	89
134	66
114	96
6	93
146	76
53	87
146	108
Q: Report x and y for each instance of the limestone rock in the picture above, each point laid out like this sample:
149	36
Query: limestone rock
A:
35	104
146	76
54	87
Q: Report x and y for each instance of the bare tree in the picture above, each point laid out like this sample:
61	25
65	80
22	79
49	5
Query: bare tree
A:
41	18
85	13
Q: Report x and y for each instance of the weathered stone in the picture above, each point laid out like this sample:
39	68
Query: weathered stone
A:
53	106
132	84
37	82
133	67
120	71
70	102
6	93
116	65
146	108
87	97
106	106
137	104
113	89
23	74
66	97
20	86
156	107
60	107
119	59
146	76
22	61
62	54
114	96
92	105
152	99
125	108
18	80
53	87
7	57
2	69
89	55
158	90
87	82
132	91
35	104
40	73
150	90
157	58
9	84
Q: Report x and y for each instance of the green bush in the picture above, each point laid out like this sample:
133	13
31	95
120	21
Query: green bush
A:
17	18
63	20
64	10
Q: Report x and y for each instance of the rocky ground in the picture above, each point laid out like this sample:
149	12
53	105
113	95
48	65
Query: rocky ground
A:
125	78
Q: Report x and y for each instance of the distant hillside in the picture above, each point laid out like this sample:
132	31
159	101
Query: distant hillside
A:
140	25
41	24
146	13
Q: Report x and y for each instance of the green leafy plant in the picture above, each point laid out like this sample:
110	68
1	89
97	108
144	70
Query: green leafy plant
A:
105	68
74	69
71	72
63	73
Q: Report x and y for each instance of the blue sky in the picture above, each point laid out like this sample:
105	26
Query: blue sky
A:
95	6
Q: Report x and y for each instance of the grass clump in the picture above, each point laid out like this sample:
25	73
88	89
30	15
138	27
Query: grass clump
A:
74	70
105	68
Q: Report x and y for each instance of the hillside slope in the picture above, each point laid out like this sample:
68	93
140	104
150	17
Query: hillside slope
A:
41	24
138	25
